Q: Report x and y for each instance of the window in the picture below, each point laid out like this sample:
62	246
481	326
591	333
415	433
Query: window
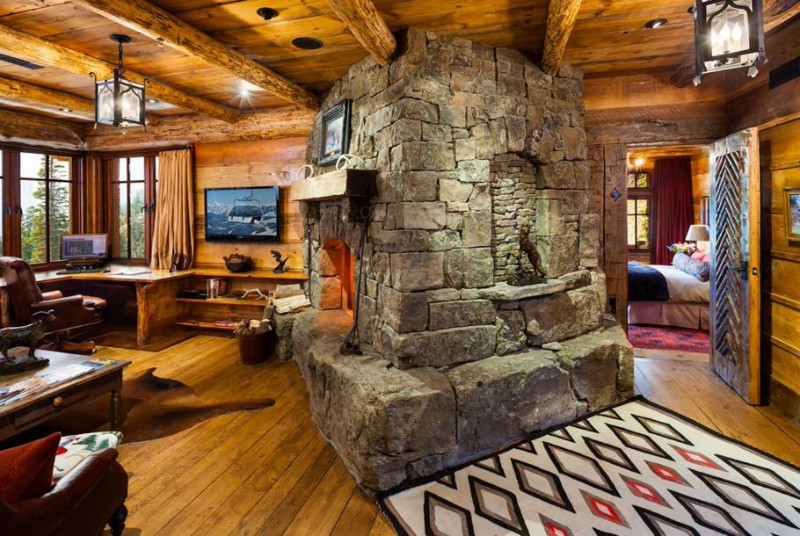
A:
133	194
45	191
640	216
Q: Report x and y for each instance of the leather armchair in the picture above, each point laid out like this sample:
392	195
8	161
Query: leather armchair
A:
82	503
72	312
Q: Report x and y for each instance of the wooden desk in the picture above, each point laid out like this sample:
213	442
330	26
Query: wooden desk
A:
44	404
156	291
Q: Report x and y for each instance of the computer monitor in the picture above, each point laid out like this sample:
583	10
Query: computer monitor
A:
85	246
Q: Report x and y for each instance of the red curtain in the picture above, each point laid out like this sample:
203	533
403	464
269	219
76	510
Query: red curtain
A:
674	211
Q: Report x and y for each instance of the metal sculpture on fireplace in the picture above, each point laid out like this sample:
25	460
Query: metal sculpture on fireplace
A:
536	274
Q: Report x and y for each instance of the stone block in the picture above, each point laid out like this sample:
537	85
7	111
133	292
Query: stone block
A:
473	171
401	241
415	109
462	313
482	134
401	131
499	136
480	199
589	243
559	253
477	231
517	132
559	176
565	315
430	216
441	348
417	271
444	240
383	422
469	267
502	398
403	311
396	186
423	156
368	317
574	140
625	375
592	362
437	133
511	336
466	149
283	334
451	191
455	116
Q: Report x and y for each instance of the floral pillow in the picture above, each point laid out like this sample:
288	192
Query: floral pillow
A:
73	449
699	269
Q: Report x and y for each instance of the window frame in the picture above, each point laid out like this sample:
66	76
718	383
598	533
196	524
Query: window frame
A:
636	194
150	193
11	206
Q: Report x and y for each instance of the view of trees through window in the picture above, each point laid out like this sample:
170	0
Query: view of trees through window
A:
131	206
45	191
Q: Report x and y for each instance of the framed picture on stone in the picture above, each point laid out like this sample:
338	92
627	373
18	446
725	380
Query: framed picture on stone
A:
334	135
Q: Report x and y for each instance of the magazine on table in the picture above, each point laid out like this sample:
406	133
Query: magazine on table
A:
48	377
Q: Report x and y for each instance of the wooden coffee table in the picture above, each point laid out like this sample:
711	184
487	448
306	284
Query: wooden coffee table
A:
45	403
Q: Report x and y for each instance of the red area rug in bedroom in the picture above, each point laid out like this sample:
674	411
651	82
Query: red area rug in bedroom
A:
666	338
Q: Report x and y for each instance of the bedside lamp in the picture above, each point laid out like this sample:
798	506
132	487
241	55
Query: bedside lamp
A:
697	233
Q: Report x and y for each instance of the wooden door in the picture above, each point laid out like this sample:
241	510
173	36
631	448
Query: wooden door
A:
735	270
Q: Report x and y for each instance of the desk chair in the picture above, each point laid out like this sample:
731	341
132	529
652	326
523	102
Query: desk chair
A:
72	312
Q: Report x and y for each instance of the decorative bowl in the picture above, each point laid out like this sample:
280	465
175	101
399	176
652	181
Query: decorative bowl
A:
238	263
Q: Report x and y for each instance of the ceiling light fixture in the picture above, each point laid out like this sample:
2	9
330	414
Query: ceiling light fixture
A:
728	34
119	102
655	23
267	13
152	101
307	43
66	110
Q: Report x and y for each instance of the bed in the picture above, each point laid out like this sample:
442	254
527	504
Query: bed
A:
665	296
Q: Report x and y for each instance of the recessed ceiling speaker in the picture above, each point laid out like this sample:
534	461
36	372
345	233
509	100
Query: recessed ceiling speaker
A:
307	43
267	13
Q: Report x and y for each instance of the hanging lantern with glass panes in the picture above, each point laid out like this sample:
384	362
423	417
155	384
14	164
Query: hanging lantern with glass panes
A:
119	102
729	34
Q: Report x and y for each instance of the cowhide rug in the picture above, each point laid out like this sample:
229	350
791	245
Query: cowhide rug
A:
153	407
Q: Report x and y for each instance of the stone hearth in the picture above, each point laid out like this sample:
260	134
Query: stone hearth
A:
481	159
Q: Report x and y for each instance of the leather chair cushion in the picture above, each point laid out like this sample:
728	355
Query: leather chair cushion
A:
94	303
26	472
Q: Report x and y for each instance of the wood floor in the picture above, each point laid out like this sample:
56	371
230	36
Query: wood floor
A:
269	472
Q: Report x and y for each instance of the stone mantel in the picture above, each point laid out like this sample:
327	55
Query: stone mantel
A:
335	185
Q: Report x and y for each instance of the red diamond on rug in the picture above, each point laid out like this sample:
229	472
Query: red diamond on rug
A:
603	509
696	458
640	489
666	473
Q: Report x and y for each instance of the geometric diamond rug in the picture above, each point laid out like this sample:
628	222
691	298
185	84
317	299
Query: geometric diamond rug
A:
636	469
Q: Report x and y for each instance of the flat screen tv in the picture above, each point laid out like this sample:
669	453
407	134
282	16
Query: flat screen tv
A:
242	214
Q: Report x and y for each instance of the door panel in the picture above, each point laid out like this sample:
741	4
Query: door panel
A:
735	246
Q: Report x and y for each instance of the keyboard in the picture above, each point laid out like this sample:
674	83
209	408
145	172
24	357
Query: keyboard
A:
82	271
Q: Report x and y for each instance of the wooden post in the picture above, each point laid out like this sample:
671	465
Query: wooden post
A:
561	17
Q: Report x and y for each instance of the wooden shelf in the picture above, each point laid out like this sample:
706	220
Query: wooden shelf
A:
293	275
226	301
335	185
204	324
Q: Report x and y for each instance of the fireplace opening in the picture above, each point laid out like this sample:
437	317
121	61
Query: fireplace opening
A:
337	281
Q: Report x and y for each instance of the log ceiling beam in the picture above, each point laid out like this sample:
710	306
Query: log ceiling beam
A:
152	21
776	12
561	17
30	129
76	62
368	26
37	99
176	130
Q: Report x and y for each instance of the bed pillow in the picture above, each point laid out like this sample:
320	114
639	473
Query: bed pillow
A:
698	256
699	269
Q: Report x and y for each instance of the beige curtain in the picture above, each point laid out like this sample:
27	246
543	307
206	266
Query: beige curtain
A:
174	229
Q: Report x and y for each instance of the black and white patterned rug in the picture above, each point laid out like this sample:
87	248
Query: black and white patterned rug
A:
636	469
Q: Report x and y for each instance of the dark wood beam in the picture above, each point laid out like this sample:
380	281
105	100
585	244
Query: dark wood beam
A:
176	130
683	131
152	21
561	17
26	45
776	12
30	129
35	99
368	26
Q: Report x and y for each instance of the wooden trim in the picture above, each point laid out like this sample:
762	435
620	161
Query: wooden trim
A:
561	17
783	300
754	275
76	62
32	98
794	350
785	255
165	28
367	25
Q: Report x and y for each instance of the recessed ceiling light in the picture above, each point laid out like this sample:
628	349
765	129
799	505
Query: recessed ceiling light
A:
267	13
307	43
656	23
152	101
66	110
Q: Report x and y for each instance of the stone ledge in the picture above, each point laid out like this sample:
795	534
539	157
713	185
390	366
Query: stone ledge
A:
505	292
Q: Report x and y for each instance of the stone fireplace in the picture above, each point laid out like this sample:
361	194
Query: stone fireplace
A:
481	176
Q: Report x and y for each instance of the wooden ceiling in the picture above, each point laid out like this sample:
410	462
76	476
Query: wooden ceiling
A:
609	40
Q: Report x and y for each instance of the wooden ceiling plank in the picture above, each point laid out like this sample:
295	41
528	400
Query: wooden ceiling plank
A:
154	22
776	12
368	26
561	17
275	123
32	97
76	62
19	127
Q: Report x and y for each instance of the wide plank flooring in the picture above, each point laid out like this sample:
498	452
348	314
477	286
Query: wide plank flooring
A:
270	473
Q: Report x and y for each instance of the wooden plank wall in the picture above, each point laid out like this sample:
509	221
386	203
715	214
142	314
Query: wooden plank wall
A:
608	170
780	168
258	163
